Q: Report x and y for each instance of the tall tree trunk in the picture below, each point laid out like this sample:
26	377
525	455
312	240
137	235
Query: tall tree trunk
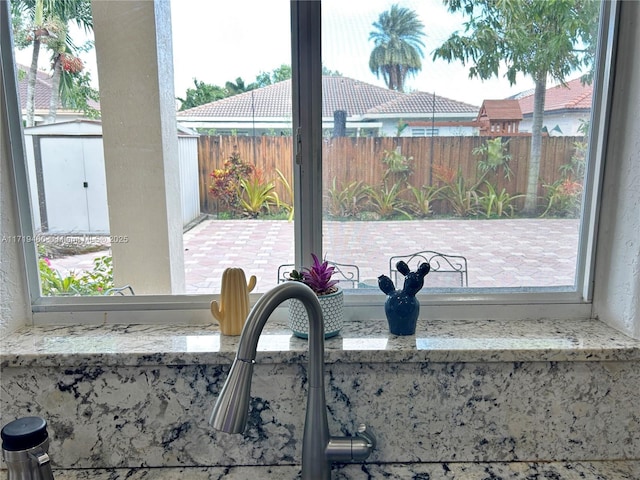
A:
401	78
55	89
31	82
531	198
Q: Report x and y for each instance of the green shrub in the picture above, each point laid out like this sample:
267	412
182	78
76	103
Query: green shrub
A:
462	196
385	201
225	182
287	206
494	204
256	195
398	166
422	200
93	282
346	201
564	198
494	153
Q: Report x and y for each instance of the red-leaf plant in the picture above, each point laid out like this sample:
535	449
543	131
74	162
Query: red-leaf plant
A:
317	277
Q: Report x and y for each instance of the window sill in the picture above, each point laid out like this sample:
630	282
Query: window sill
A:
360	342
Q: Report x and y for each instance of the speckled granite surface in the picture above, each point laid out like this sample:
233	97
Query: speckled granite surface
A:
448	471
140	396
360	341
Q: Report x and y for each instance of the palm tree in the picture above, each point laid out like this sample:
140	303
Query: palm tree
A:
49	20
238	87
398	46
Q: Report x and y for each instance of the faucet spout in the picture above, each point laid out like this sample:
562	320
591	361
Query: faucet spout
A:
230	412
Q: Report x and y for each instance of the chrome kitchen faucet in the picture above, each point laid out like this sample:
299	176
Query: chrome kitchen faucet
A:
230	412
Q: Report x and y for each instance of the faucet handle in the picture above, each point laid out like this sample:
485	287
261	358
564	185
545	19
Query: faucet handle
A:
348	449
363	443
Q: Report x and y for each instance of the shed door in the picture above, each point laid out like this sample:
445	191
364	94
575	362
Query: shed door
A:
97	185
74	185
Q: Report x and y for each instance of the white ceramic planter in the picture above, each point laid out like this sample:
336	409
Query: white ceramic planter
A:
332	312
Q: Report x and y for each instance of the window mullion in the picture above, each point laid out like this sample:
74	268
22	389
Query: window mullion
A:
307	123
598	135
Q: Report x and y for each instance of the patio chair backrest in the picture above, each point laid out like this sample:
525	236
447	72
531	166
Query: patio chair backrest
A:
123	291
446	270
348	275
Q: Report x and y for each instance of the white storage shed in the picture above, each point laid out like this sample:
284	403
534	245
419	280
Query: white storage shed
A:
67	177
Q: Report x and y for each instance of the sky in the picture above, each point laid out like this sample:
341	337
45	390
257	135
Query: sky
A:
217	41
243	38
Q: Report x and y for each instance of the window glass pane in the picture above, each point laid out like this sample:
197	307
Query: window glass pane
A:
419	157
245	145
233	152
441	163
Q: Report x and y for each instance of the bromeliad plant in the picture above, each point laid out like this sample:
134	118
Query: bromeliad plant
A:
317	277
345	201
330	297
255	195
496	204
385	201
460	194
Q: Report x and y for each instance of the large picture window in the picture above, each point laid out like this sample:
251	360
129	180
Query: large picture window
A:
253	134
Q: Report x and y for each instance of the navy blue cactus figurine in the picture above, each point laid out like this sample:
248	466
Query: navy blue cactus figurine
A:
402	307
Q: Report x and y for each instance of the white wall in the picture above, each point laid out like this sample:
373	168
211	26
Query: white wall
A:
569	123
617	286
390	129
14	304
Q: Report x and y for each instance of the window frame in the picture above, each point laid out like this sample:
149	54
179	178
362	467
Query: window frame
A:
522	303
425	131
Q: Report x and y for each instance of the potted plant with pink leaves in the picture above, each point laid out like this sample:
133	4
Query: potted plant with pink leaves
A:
319	278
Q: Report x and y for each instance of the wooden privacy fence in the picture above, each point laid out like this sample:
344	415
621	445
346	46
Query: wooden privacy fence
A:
360	159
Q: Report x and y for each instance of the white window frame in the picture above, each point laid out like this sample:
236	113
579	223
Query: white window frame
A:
306	65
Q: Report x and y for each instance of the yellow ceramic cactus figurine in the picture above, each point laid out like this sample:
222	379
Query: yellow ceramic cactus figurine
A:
234	301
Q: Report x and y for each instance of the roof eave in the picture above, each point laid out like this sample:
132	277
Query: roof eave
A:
408	116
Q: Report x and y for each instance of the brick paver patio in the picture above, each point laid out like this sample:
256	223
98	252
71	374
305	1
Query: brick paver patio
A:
500	253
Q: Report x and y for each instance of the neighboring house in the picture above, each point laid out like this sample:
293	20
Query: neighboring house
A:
566	107
369	111
43	98
424	115
499	118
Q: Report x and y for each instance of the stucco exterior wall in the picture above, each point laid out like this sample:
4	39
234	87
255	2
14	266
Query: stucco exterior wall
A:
568	123
14	305
617	285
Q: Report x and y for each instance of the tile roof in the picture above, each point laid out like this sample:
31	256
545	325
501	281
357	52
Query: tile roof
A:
507	109
43	88
43	91
571	96
270	101
353	96
423	102
357	98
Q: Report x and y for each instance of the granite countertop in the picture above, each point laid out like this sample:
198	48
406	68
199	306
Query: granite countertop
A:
359	341
451	471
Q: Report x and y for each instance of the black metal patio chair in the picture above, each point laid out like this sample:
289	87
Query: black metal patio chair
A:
122	291
446	270
348	275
